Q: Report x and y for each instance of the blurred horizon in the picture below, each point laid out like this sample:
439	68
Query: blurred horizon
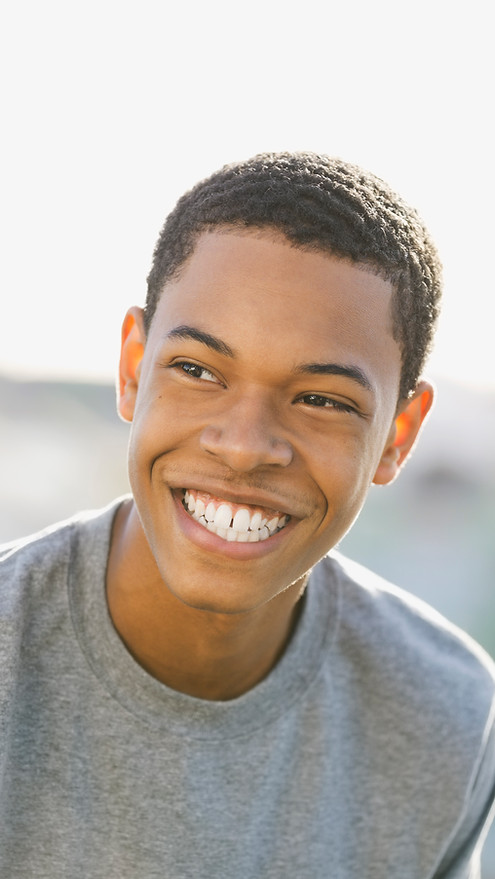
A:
63	448
95	155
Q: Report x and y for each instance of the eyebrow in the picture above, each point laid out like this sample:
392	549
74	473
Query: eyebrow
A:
186	332
355	373
352	372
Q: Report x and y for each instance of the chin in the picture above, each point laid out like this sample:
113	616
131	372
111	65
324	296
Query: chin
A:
216	601
223	593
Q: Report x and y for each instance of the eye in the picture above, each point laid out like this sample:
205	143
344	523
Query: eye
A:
322	402
196	371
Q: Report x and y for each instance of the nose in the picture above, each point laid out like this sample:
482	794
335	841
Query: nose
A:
246	437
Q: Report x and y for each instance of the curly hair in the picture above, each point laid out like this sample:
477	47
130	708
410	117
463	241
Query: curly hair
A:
323	204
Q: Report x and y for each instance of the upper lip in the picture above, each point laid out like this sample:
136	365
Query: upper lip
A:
251	498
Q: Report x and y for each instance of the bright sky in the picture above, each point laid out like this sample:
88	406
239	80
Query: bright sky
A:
112	109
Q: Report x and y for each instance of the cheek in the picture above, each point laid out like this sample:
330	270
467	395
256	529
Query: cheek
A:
150	436
344	474
156	426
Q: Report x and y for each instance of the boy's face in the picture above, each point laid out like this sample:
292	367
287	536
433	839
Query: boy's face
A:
268	384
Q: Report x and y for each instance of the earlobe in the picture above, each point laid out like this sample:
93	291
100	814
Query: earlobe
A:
131	355
404	433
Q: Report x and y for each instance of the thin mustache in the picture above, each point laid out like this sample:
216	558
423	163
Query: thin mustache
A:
242	485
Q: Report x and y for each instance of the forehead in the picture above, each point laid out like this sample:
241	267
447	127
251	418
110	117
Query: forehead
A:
260	294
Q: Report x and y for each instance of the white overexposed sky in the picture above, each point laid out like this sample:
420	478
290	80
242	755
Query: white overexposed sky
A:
110	110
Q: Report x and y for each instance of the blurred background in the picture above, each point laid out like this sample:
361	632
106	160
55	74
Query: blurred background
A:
111	110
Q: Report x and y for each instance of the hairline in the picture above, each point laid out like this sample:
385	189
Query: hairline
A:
259	230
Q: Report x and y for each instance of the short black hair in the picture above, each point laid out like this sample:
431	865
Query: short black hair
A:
324	204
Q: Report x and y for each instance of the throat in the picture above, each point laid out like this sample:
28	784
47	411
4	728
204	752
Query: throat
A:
223	658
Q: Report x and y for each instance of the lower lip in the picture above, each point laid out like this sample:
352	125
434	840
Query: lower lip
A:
211	542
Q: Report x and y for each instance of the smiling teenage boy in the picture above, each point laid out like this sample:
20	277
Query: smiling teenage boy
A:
194	684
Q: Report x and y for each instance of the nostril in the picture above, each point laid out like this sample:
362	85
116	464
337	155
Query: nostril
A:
283	450
245	449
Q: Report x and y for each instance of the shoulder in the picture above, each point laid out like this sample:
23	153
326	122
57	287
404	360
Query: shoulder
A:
408	652
415	696
373	606
35	566
30	565
35	603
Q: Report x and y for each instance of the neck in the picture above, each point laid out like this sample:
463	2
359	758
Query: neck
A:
208	655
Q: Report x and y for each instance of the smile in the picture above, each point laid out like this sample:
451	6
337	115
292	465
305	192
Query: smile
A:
232	522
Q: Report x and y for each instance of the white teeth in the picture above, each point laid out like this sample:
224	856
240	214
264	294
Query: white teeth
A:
255	521
242	520
223	516
241	527
210	511
222	532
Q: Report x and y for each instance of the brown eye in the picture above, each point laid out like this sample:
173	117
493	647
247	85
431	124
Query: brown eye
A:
315	400
322	402
192	369
196	371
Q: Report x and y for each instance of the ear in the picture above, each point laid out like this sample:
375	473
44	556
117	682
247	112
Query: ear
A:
131	355
404	433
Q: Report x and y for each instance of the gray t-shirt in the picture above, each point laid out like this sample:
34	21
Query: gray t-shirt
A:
367	752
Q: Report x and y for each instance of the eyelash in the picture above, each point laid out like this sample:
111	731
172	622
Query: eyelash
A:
327	403
324	402
187	366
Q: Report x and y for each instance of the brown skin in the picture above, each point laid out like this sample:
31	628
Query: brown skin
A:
250	424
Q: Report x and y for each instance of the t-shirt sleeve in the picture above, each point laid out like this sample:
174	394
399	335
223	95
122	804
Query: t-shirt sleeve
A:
462	856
